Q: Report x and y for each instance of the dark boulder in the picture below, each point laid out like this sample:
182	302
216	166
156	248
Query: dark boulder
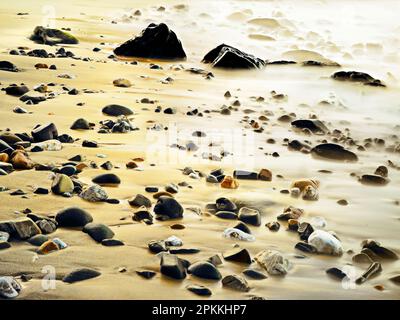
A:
331	151
116	110
157	41
16	91
98	231
168	207
315	126
73	217
44	132
205	270
225	56
107	179
173	267
356	76
8	66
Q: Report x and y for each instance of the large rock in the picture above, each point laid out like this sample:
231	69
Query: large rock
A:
80	275
325	243
8	66
107	179
225	56
331	151
172	266
98	231
44	132
205	270
157	41
250	216
52	36
73	217
23	228
315	126
117	110
168	208
16	91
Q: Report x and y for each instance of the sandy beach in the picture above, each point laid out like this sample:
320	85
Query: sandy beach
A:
250	129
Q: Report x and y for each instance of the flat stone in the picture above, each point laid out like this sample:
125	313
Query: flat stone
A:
199	290
81	275
98	231
106	179
250	216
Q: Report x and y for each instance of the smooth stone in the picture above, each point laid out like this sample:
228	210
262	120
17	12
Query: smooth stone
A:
47	247
157	41
122	83
243	227
265	175
173	267
224	204
254	274
16	91
80	275
8	66
98	231
331	151
373	180
40	190
112	243
305	247
61	244
199	290
169	208
305	230
291	213
205	270
47	226
106	179
80	124
325	243
238	255
73	217
38	240
336	273
226	215
116	110
236	282
4	245
250	216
